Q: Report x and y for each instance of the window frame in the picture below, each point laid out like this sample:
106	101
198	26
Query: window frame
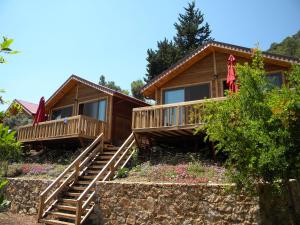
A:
162	97
95	100
59	108
281	72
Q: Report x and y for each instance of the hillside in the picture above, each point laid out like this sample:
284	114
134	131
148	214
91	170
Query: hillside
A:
290	46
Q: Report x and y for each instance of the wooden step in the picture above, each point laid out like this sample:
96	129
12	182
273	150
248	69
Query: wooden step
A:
66	207
73	194
62	215
101	162
68	201
78	188
96	167
92	171
88	177
83	182
55	222
108	153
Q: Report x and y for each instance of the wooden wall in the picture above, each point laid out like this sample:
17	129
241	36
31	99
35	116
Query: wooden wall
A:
203	71
122	117
85	93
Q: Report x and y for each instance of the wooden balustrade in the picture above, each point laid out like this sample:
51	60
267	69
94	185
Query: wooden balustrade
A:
181	114
49	196
75	126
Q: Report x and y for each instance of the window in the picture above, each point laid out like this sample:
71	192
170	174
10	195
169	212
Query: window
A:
62	113
184	94
225	86
275	79
96	110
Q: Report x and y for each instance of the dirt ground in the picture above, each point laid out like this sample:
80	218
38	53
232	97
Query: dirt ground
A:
7	218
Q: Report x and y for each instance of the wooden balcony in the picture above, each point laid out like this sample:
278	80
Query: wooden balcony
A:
71	127
169	119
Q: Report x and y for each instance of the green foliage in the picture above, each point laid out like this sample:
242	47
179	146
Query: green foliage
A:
3	202
111	85
10	148
290	46
136	87
14	121
122	172
258	127
5	48
191	33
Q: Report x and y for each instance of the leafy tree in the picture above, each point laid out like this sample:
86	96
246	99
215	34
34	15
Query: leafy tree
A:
5	48
160	59
111	85
10	148
191	32
290	46
16	120
136	87
258	127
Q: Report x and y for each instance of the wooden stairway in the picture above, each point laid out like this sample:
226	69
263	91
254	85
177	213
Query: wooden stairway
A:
70	198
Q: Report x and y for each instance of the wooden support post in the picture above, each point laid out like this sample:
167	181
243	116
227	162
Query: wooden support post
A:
78	212
41	207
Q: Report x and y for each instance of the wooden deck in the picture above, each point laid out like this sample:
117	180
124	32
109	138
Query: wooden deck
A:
169	119
71	127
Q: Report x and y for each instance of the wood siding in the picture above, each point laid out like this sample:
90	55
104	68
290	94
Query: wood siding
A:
203	71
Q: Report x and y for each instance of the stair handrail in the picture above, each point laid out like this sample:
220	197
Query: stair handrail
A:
75	164
81	206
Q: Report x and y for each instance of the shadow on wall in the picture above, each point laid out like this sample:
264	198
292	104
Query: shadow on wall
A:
280	208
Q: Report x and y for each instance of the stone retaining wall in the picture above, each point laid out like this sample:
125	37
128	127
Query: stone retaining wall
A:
24	194
149	203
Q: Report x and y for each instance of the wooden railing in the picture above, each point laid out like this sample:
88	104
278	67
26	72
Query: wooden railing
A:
169	115
50	196
119	160
74	126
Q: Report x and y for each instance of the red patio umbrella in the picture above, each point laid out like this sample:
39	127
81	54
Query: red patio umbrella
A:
231	75
40	113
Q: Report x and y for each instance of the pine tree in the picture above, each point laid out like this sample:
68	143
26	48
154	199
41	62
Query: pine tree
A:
111	85
136	87
160	59
191	32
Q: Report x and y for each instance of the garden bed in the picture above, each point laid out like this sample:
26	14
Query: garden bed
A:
185	172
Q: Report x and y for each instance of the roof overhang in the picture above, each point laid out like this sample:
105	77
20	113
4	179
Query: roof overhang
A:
149	89
73	80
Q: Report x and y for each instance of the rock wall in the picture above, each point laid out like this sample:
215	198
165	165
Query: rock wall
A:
24	194
147	203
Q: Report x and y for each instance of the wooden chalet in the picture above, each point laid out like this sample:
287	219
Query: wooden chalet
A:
81	110
27	108
201	74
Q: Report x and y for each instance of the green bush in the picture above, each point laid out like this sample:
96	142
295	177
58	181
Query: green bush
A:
122	173
10	148
258	127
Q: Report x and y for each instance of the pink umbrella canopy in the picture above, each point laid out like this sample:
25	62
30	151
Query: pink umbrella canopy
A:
40	113
231	74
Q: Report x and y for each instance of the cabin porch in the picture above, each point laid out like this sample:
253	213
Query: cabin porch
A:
176	119
79	127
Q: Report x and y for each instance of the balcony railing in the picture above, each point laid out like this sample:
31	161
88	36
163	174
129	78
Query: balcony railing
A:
75	126
176	115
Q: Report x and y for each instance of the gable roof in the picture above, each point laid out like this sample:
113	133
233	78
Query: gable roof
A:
28	107
73	79
204	50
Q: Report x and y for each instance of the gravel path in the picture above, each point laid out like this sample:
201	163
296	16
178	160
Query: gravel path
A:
7	218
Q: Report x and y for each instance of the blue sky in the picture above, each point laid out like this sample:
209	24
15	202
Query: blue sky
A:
88	38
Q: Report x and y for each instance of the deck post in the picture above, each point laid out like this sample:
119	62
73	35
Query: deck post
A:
41	207
78	212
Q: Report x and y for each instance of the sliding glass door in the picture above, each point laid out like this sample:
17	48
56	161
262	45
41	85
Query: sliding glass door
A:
96	109
184	94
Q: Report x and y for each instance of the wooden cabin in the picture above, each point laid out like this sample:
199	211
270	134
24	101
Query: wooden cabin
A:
81	110
26	108
201	74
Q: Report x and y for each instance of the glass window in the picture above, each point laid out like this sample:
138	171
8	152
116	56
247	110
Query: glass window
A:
225	86
102	110
96	110
62	113
174	96
275	79
197	92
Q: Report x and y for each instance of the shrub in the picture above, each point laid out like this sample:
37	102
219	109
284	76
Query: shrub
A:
122	172
258	127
